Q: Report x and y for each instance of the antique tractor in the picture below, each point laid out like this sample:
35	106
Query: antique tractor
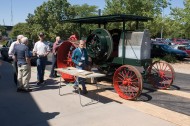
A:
122	52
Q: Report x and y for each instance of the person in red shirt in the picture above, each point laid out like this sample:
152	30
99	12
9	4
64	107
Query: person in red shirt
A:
56	44
74	37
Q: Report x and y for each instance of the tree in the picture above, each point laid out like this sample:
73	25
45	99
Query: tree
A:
137	7
84	11
182	15
147	8
3	31
20	28
50	16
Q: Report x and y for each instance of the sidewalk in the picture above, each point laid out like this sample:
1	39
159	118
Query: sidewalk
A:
45	107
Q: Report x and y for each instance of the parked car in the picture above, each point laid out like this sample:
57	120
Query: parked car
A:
181	42
168	41
161	50
4	51
184	48
50	44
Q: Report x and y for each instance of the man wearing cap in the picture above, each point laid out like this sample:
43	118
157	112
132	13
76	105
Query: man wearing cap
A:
21	55
41	50
10	52
74	37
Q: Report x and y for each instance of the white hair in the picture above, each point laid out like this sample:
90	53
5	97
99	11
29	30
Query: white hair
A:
24	40
19	37
57	38
81	41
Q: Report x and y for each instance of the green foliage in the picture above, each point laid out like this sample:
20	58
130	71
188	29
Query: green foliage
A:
84	11
3	31
147	8
136	7
181	17
49	18
168	58
20	28
175	25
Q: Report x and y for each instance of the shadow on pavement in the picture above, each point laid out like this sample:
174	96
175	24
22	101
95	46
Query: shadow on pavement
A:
181	82
145	96
18	109
49	85
94	94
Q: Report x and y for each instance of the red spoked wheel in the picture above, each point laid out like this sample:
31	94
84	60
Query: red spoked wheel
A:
161	74
127	82
64	59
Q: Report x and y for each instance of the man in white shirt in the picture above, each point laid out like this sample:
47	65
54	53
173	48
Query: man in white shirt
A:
11	51
41	50
11	48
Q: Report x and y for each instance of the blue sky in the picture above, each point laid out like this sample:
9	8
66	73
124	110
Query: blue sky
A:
21	8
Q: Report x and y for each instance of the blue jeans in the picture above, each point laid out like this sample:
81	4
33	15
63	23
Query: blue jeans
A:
79	79
54	65
41	64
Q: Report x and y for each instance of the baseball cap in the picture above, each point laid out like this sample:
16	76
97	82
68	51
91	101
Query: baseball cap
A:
41	34
19	37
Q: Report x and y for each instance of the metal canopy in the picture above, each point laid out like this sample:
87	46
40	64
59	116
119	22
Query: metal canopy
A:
108	18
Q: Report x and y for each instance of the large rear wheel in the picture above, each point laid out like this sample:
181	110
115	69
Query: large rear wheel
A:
64	59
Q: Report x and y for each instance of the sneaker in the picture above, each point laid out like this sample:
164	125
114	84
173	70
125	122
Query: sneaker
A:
27	90
19	89
51	77
24	90
76	87
43	82
84	91
57	76
38	83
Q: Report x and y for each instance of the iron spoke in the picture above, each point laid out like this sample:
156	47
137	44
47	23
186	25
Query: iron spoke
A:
121	75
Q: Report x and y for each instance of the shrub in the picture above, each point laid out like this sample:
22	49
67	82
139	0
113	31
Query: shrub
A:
167	58
170	59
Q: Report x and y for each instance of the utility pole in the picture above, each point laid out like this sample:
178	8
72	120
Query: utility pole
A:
161	31
162	22
11	14
3	22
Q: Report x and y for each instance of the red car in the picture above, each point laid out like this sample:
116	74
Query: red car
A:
180	42
184	48
187	49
